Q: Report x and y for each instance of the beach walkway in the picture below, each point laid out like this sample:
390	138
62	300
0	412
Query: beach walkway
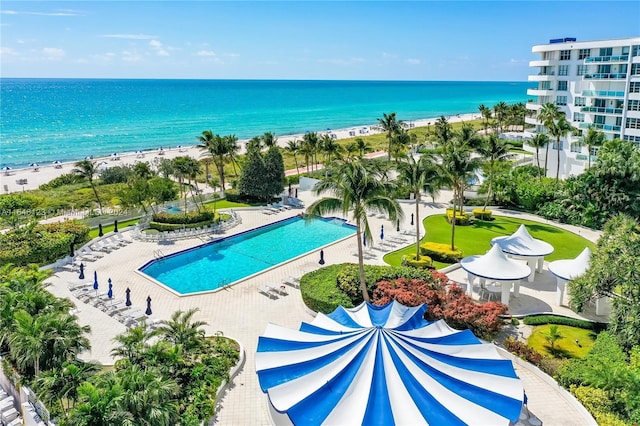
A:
241	312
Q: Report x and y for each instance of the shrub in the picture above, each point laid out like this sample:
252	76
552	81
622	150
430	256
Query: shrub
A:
482	214
319	291
175	226
515	321
440	252
554	319
65	179
462	218
598	403
423	263
183	218
523	351
116	174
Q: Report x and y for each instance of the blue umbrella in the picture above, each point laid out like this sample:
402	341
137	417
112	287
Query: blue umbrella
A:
110	292
381	232
128	293
95	281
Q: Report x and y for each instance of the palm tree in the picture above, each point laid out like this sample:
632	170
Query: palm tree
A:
310	146
356	189
416	175
269	139
486	116
222	149
182	330
546	116
500	111
593	138
559	128
87	169
133	344
443	131
332	150
293	146
100	404
391	125
493	149
457	167
401	142
538	141
362	146
60	385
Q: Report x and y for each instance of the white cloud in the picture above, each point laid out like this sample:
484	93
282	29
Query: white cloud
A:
131	36
65	12
386	55
7	51
104	57
206	53
414	61
129	56
53	53
157	46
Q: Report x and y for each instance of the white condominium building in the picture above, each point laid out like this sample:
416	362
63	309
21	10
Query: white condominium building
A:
595	83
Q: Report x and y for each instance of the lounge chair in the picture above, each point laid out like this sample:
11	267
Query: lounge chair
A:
292	281
268	291
278	289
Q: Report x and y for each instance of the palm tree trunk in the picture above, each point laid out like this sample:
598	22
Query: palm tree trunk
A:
558	165
546	159
589	156
538	161
453	220
417	197
295	158
363	282
95	192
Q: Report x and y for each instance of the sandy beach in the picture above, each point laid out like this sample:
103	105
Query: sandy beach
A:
31	178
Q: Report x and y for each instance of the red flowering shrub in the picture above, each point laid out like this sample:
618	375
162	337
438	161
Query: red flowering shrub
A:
523	350
453	305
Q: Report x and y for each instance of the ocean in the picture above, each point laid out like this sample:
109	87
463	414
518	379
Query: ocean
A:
43	120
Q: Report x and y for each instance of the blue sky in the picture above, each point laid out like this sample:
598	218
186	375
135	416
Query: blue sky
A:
359	40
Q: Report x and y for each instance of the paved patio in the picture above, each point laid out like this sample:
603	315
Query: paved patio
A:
241	312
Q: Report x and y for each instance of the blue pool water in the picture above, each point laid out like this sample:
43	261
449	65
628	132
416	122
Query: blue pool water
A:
223	262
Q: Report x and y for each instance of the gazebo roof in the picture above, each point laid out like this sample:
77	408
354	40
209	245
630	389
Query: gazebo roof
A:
495	265
384	365
568	269
521	243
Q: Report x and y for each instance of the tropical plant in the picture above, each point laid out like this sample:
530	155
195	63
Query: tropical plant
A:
293	147
486	116
556	124
88	169
493	150
309	148
357	189
362	146
390	124
553	336
500	111
540	140
182	330
222	149
593	138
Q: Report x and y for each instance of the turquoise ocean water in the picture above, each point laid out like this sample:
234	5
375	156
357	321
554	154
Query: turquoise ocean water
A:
42	120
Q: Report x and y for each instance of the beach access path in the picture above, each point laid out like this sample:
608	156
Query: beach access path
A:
16	180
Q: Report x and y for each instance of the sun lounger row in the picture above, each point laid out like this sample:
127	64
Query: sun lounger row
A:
272	291
292	281
275	208
189	232
8	413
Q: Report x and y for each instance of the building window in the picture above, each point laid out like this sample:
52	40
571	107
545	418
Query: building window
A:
563	70
584	53
618	121
634	105
636	50
580	101
604	69
635	139
625	50
546	56
606	51
562	85
555	145
578	117
582	69
599	119
576	147
565	55
634	87
635	69
594	151
561	100
545	85
632	123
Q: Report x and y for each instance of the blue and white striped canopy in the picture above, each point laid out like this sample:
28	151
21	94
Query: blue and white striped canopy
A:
384	365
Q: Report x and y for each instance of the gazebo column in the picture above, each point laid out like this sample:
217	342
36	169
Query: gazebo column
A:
560	285
506	289
470	279
540	263
516	288
533	264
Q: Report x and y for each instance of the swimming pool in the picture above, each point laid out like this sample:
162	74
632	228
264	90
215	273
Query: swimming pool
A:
214	265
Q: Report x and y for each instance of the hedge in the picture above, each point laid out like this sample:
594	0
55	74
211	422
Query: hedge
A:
440	252
424	262
319	291
482	214
555	319
175	226
183	218
462	218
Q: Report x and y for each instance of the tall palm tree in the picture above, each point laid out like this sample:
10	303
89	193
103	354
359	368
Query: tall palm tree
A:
540	140
181	329
332	150
500	111
401	142
560	129
362	146
132	344
269	139
486	116
88	170
60	384
493	149
293	146
391	125
222	150
546	116
100	404
311	145
356	189
443	131
457	167
593	138
416	175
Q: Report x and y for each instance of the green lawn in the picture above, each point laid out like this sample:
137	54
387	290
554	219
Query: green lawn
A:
475	239
224	204
566	347
108	228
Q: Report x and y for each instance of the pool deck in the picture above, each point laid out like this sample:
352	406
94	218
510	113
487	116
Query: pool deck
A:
242	312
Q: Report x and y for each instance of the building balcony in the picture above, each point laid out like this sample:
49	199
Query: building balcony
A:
530	106
606	59
531	120
539	92
605	127
542	77
602	94
605	76
542	63
615	111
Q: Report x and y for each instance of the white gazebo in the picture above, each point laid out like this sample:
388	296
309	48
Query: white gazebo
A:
568	269
495	266
521	245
